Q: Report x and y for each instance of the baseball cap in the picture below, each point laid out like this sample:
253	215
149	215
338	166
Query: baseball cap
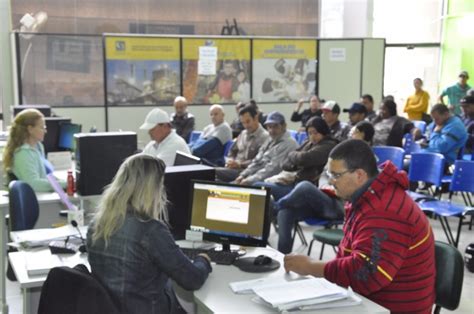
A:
356	108
464	73
275	117
331	105
467	100
153	118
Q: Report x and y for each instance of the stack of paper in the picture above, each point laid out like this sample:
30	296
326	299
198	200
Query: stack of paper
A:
42	237
307	293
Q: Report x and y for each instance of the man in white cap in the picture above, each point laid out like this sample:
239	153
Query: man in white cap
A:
331	111
165	142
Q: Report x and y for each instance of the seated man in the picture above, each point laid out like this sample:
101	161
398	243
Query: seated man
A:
387	253
210	145
165	142
331	111
467	105
181	120
236	125
314	110
272	154
390	127
447	133
357	112
368	101
245	147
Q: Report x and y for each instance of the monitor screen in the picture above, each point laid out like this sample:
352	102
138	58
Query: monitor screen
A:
230	214
51	138
183	159
66	135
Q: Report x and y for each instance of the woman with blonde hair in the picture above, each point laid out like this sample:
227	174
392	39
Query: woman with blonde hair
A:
131	250
24	154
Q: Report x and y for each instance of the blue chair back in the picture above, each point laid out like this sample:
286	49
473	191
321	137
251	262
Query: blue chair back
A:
294	134
395	154
463	176
302	136
227	147
410	146
194	136
24	208
427	167
420	125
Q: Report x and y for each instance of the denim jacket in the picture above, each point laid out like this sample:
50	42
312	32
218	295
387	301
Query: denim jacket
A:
137	263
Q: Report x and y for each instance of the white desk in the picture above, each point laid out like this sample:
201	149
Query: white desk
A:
50	206
31	285
217	297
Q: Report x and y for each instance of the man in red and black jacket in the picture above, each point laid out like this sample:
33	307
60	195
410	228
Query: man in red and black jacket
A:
387	253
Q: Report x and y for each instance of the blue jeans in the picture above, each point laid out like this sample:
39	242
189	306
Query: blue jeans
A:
277	190
304	201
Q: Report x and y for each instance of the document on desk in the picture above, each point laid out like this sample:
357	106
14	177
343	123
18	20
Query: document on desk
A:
39	263
40	237
248	286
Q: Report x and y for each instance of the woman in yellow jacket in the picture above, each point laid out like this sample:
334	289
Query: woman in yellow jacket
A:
417	104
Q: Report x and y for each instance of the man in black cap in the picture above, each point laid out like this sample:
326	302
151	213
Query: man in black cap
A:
467	105
357	112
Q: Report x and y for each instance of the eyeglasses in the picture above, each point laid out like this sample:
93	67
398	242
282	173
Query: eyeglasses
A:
333	176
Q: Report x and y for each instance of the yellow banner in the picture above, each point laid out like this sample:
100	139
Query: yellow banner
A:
284	49
227	49
141	48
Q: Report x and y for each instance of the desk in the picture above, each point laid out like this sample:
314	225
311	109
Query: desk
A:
217	297
31	286
50	206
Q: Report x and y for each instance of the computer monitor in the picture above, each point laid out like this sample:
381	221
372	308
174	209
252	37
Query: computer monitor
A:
44	109
66	135
183	159
230	214
51	138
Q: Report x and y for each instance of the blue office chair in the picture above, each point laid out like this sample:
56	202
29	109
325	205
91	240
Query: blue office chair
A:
463	182
294	134
427	168
24	207
395	154
420	125
302	136
194	136
227	147
410	146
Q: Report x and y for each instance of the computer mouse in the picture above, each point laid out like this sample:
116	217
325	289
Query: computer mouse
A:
262	260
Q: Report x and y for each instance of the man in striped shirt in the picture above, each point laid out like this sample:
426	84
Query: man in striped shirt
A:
387	253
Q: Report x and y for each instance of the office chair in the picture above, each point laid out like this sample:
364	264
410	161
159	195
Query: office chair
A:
395	154
75	291
227	147
420	125
449	276
24	212
427	168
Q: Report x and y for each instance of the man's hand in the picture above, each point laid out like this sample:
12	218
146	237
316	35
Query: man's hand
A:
238	180
299	105
245	182
300	264
232	164
438	128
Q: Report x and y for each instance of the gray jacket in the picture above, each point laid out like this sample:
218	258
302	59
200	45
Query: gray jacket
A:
270	158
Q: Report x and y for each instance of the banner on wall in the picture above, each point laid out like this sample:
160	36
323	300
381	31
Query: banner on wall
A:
216	70
283	69
142	70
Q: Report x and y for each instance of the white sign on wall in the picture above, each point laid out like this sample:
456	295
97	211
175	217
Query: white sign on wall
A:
337	54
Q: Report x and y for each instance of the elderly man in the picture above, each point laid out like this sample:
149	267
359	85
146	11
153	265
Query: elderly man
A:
245	147
387	252
339	130
447	133
165	142
272	154
455	92
181	120
210	145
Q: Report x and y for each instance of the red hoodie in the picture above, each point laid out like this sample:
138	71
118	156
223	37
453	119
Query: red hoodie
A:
387	253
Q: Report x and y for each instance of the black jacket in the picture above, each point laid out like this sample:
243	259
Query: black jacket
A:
401	127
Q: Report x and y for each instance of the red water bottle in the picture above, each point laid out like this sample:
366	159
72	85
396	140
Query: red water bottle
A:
70	184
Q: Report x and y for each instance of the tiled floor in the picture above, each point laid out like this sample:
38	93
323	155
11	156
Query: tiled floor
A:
14	298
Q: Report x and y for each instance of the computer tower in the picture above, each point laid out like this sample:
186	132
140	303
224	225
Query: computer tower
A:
178	189
99	156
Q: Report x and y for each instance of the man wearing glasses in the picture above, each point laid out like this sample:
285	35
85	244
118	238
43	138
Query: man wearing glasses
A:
387	253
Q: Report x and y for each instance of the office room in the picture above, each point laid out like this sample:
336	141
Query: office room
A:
237	156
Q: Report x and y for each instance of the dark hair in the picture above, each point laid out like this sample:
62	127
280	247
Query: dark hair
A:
391	107
367	128
418	79
356	154
388	97
440	109
319	124
251	110
368	97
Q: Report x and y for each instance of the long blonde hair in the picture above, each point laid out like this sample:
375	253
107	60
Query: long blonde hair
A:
137	186
18	134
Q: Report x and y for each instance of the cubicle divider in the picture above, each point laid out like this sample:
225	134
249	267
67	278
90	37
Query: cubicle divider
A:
277	71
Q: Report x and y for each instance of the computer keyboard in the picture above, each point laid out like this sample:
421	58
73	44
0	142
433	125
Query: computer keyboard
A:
218	257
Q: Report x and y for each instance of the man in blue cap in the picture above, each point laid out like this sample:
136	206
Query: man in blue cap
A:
357	112
272	154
